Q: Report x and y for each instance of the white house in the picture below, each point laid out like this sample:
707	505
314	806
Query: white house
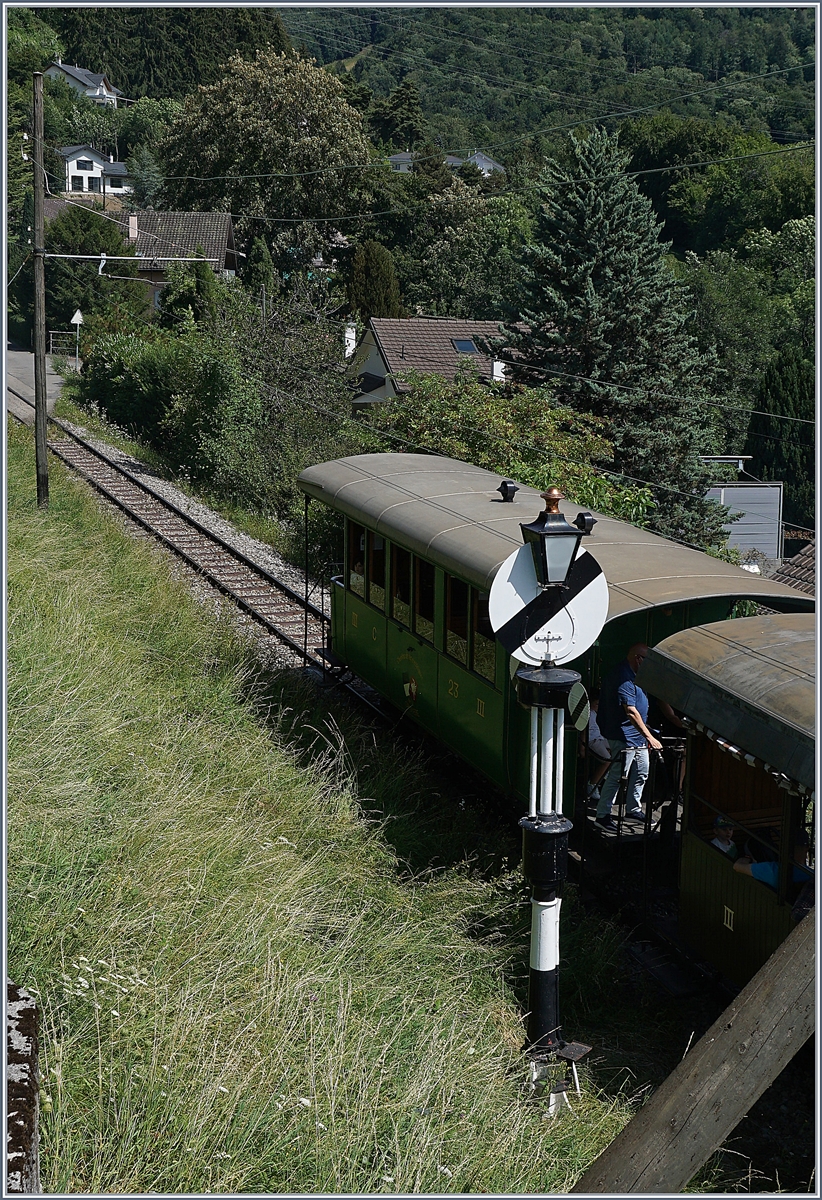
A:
483	161
95	87
404	162
89	171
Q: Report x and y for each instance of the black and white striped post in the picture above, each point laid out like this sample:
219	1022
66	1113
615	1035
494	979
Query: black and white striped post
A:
548	603
549	693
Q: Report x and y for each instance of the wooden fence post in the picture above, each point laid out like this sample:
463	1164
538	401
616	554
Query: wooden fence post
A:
719	1080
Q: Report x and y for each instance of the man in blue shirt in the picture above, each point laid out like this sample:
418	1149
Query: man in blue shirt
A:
623	711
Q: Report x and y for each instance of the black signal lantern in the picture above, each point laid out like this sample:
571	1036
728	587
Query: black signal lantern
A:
553	541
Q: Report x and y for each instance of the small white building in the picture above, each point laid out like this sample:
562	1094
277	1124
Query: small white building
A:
482	161
90	172
94	87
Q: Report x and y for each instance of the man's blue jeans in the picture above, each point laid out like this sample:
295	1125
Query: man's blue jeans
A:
638	764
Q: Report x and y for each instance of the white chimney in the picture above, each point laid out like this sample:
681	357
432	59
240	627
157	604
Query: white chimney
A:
350	340
132	227
111	158
497	370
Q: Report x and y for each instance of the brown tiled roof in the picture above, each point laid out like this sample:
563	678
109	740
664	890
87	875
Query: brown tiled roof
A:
427	343
165	235
800	571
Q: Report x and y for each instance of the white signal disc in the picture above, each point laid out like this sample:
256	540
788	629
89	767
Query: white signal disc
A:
567	633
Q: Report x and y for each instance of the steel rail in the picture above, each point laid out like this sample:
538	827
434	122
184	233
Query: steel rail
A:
253	587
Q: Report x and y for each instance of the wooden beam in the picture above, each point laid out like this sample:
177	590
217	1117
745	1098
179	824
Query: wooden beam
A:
692	1113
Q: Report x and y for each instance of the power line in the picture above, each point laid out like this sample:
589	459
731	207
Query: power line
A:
649	391
513	141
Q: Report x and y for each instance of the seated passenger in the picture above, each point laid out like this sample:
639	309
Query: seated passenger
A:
723	837
766	869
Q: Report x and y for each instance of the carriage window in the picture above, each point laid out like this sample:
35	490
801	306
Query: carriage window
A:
424	599
356	559
401	585
483	647
376	570
456	618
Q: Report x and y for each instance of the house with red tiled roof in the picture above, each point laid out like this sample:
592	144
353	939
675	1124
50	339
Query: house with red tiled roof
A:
160	237
800	571
392	346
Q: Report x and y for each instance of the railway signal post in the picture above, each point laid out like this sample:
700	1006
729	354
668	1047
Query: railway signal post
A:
548	604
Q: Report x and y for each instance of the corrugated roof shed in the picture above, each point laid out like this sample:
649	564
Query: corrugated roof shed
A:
427	344
800	571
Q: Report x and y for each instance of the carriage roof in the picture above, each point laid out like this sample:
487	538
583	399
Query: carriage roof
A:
752	681
451	513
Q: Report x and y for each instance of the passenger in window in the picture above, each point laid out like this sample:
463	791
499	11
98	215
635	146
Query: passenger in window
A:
759	863
723	838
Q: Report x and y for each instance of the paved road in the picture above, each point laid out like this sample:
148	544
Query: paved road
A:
20	377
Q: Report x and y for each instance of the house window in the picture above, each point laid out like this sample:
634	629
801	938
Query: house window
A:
83	164
395	166
115	183
464	346
77	183
94	183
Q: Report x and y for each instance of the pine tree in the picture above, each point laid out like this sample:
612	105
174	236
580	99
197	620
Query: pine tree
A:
785	449
259	270
373	290
398	119
604	316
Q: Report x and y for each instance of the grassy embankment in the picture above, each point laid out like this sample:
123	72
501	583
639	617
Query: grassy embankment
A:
243	984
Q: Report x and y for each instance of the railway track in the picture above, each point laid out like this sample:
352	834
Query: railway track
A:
292	618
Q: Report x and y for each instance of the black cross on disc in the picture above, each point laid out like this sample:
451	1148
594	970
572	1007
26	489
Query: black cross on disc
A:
557	624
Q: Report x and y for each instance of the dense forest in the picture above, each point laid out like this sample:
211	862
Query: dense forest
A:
676	138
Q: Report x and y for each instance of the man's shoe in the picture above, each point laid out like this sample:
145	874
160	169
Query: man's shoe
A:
637	813
606	822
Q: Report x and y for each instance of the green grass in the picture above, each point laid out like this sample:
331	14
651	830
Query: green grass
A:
274	949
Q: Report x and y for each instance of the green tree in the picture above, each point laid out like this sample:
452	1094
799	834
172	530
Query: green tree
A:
463	258
373	290
273	138
511	430
115	297
191	294
398	119
31	45
145	123
786	449
146	179
259	270
604	315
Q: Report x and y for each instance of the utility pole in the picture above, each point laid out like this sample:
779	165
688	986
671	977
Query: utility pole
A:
40	447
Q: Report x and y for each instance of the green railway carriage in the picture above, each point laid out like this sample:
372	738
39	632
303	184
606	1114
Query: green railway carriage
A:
748	686
425	536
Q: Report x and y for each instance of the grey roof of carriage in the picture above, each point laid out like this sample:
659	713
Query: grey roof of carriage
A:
451	513
752	681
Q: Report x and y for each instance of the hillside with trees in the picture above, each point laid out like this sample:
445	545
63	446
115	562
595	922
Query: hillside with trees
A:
652	228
